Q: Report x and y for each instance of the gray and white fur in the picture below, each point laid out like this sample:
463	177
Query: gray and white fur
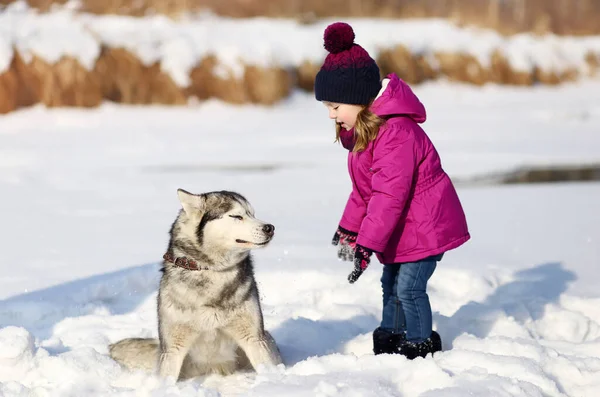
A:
209	320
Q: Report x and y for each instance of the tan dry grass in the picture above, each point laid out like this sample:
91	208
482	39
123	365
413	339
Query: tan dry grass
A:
573	17
125	79
461	67
593	61
257	85
207	84
267	86
29	84
65	83
120	76
9	90
412	68
502	73
306	73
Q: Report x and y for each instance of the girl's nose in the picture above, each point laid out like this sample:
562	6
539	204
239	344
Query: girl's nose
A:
332	114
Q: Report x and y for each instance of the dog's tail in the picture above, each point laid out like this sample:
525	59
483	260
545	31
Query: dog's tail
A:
136	353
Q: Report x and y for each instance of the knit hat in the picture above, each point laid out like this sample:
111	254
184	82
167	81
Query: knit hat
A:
348	75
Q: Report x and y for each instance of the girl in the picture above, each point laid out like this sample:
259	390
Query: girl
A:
403	206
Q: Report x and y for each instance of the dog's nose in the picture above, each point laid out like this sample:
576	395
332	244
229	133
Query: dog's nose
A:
269	229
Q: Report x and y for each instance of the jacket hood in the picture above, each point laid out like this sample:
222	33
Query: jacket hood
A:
396	98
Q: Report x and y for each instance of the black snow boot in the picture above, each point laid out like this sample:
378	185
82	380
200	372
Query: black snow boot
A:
385	342
436	342
413	350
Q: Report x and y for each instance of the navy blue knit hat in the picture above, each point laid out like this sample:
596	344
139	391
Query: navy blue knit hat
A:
348	75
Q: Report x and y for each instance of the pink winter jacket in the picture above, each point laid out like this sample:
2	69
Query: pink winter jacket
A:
403	204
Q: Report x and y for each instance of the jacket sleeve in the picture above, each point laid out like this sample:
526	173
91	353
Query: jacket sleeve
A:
354	212
394	164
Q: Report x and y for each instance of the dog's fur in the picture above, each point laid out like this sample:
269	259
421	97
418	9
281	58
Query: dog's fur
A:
209	320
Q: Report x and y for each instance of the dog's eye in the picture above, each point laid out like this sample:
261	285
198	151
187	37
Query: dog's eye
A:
238	217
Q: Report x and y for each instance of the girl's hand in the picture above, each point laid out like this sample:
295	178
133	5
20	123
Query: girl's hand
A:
345	240
362	258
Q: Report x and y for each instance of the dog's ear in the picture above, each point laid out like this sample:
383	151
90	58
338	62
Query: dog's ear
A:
191	203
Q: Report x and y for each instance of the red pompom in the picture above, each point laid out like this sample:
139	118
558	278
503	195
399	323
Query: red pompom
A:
338	37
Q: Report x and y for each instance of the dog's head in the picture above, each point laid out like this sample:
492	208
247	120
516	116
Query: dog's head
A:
222	221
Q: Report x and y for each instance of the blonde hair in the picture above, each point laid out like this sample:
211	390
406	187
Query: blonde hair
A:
366	128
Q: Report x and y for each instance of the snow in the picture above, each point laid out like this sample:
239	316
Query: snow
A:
179	45
89	196
49	36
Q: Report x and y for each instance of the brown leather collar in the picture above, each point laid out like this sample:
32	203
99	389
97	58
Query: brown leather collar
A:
183	262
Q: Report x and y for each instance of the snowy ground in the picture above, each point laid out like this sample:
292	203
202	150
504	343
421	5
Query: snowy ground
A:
88	197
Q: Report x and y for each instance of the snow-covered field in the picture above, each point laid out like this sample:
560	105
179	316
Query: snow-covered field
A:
88	197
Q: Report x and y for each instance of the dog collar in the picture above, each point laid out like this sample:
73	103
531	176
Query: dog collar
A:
183	262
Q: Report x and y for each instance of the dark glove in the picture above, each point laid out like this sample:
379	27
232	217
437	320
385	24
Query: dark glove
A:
345	240
362	258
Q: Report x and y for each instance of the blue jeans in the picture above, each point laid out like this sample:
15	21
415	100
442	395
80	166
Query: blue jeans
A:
406	305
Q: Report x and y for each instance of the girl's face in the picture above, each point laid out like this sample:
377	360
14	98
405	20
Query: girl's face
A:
343	114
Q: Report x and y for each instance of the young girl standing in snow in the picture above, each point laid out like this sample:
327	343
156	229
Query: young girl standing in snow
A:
403	206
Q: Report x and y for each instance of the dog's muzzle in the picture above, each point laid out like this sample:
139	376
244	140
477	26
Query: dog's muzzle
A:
267	229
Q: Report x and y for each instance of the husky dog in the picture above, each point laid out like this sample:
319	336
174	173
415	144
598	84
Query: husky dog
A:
209	315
